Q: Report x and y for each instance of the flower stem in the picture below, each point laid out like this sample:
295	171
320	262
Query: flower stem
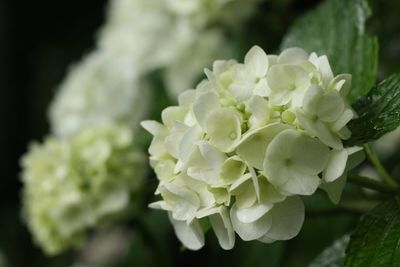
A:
379	167
372	184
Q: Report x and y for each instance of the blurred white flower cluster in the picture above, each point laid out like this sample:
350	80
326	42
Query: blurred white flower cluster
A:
253	137
168	34
85	173
140	36
73	184
105	96
203	13
103	88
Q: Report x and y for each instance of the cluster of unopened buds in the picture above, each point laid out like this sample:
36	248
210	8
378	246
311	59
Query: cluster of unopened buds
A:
243	147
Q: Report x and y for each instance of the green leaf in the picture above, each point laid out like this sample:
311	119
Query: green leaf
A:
336	28
332	256
378	111
375	241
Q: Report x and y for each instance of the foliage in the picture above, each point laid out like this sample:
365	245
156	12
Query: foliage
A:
337	28
378	112
376	239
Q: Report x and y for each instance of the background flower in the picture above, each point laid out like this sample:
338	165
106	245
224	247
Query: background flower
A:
74	184
103	88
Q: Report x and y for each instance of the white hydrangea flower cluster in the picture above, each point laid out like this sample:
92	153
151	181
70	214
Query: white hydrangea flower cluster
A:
73	184
252	138
103	88
168	34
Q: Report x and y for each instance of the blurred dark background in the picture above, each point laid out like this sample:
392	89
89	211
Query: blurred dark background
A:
40	39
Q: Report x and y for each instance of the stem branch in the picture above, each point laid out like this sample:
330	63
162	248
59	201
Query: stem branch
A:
372	184
379	167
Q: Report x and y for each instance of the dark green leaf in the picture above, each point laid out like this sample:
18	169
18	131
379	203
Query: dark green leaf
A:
378	111
376	240
336	28
332	256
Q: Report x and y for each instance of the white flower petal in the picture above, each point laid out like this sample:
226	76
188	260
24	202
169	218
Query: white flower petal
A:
319	129
262	88
341	122
235	186
300	184
184	202
232	169
165	170
336	165
330	106
224	128
292	56
247	198
311	99
341	83
188	141
208	211
259	108
288	83
242	90
191	235
172	114
214	157
154	127
278	79
244	191
187	97
203	106
288	167
254	143
199	187
356	156
268	192
334	189
344	133
265	239
254	179
157	147
253	213
250	231
257	60
172	143
325	69
290	146
272	59
159	205
287	219
223	229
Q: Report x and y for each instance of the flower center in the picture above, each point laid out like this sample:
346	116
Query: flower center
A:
314	118
287	162
232	136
